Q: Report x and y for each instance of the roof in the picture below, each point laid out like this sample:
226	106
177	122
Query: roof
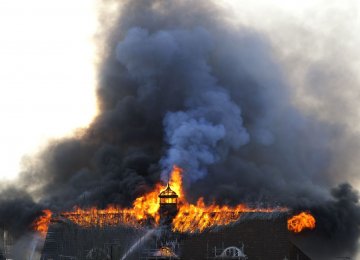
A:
168	193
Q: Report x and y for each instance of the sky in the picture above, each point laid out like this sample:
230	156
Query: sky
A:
47	78
48	53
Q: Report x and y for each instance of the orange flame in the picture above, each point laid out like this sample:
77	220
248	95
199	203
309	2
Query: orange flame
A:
196	218
111	216
41	224
302	221
145	210
176	182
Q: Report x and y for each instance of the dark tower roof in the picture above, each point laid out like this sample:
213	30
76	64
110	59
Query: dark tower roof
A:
168	193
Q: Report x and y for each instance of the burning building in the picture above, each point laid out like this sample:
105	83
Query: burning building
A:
256	237
178	230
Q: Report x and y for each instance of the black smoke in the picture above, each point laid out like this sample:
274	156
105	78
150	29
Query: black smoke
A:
17	210
179	85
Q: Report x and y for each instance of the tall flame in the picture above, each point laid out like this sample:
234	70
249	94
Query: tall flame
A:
145	210
302	221
176	181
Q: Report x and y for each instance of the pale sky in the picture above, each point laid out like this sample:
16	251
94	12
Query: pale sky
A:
47	82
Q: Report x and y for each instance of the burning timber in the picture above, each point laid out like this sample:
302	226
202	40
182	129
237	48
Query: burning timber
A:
164	225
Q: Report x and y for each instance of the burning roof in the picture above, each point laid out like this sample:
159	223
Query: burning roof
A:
168	193
146	210
256	235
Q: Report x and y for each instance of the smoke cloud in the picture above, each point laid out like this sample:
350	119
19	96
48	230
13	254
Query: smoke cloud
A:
210	123
180	85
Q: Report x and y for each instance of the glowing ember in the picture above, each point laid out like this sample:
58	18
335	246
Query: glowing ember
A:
41	224
302	221
165	251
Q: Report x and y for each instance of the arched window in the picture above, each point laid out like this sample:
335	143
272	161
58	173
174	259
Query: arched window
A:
233	251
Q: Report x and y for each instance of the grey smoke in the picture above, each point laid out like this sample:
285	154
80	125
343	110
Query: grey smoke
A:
210	124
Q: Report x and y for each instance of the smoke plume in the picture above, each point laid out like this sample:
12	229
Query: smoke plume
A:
180	85
209	123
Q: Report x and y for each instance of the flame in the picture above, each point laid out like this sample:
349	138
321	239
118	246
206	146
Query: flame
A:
145	210
302	221
176	182
165	251
196	218
111	216
41	224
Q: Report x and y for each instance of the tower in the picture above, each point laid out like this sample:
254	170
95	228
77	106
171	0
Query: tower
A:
168	205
